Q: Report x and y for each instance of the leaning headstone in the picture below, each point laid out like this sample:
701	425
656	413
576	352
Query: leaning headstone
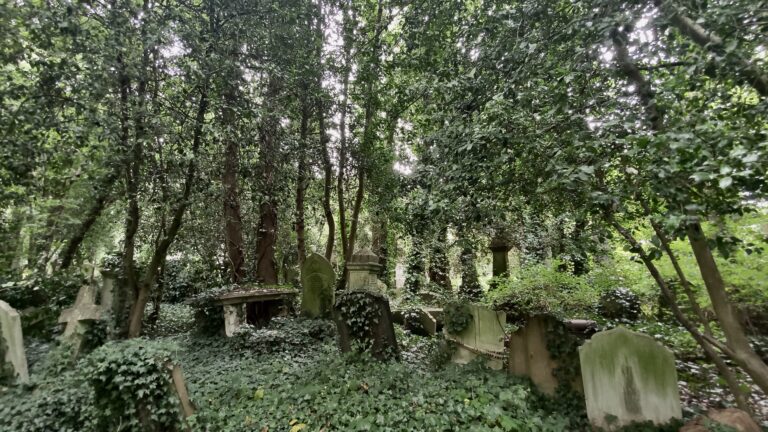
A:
529	355
317	281
12	342
484	336
364	322
628	377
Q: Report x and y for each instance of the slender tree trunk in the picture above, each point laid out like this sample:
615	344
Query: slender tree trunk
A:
747	72
161	250
103	198
233	224
704	341
301	183
734	332
347	24
438	271
266	238
324	141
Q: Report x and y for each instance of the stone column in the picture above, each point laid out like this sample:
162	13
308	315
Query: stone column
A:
500	248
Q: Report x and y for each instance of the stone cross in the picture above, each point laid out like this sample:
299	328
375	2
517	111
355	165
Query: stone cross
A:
13	341
364	270
318	291
84	311
483	336
628	377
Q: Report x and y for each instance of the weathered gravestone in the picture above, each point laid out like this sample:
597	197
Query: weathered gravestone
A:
484	336
362	313
12	343
628	377
529	353
364	322
364	270
317	281
80	316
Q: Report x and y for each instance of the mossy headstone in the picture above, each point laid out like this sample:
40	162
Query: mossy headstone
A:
12	343
483	336
364	323
628	377
317	281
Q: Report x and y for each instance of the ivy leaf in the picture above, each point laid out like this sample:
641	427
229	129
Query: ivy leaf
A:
725	182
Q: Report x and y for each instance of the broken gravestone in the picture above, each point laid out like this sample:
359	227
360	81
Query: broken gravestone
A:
628	377
529	354
12	343
483	336
80	316
317	281
362	313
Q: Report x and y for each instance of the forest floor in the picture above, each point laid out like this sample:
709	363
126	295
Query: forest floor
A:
290	377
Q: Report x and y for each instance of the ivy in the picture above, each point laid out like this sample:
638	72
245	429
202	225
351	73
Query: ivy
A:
457	317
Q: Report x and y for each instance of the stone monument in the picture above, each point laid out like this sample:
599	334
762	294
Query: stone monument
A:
318	287
13	342
628	377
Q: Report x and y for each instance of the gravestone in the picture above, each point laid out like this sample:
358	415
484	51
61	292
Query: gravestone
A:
364	268
529	355
362	313
628	377
317	281
483	336
419	321
13	342
364	322
80	316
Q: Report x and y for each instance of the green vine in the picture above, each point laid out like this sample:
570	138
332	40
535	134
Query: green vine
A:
457	317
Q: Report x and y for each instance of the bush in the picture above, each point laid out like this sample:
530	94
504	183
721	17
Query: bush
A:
619	304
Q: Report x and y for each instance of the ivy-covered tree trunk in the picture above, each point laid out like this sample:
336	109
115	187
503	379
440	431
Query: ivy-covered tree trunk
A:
233	224
266	237
469	288
439	272
302	183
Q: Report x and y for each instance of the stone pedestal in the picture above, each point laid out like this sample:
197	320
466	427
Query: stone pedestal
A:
364	268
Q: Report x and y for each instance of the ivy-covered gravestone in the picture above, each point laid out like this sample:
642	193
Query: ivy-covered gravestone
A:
318	286
364	322
628	378
13	360
362	313
545	351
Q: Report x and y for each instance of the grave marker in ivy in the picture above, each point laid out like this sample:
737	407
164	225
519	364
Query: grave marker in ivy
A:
362	313
12	344
531	354
484	335
628	377
317	281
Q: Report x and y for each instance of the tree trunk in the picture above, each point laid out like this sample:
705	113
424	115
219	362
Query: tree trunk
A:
103	197
301	183
748	72
438	271
233	225
266	237
704	341
734	332
161	250
324	141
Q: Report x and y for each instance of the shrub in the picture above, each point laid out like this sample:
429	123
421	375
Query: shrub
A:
619	304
